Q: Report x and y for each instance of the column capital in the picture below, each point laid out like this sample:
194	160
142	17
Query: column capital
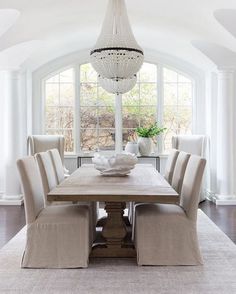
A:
12	74
226	69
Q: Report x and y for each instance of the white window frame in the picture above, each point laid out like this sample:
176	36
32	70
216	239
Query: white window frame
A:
118	104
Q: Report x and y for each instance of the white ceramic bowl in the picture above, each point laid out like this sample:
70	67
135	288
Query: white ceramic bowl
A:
117	165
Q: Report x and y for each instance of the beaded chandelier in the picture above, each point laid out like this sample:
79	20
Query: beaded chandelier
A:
117	86
117	56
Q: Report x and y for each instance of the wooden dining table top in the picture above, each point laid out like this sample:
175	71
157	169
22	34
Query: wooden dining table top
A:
143	184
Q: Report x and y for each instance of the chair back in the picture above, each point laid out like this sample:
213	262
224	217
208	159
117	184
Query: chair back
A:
193	144
42	143
57	164
47	173
189	197
31	186
179	171
170	165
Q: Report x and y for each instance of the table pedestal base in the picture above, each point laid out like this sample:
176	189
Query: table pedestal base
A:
114	232
106	251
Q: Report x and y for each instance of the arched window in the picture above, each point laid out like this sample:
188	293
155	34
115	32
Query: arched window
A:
85	113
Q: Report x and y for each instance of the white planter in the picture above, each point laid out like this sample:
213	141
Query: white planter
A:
132	147
145	146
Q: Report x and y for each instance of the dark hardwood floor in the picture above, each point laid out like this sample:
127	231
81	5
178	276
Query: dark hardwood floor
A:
224	216
12	220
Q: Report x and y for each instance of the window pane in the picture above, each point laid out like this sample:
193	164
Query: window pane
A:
183	79
88	94
170	76
69	140
59	107
185	94
132	97
148	73
184	120
87	73
88	117
178	95
67	76
105	98
148	116
52	117
89	139
129	135
52	94
66	94
170	116
106	139
171	94
66	115
130	117
106	117
148	94
53	79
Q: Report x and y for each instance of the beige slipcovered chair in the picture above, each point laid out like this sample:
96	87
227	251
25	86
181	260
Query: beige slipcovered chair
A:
179	171
170	165
57	164
42	143
56	236
193	144
49	180
47	172
166	234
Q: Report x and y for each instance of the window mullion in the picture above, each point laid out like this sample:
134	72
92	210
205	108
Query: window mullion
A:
118	124
160	105
77	120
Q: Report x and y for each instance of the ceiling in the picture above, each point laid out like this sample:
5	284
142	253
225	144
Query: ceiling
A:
35	32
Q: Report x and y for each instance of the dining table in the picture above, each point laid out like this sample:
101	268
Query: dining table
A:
144	184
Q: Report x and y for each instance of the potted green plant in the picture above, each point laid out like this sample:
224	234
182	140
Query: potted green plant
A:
145	138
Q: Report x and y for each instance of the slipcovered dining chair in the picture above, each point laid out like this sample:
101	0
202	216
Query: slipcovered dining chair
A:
56	236
166	234
43	143
47	172
57	164
170	165
193	144
179	171
49	180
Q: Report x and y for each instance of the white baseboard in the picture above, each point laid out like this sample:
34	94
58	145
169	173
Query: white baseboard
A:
11	202
17	200
224	199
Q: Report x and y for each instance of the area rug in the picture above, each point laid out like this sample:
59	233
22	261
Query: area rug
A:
123	276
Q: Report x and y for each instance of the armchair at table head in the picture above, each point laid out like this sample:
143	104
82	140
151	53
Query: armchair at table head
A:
42	143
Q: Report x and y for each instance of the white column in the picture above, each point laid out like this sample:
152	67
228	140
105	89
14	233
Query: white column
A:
226	133
15	127
118	124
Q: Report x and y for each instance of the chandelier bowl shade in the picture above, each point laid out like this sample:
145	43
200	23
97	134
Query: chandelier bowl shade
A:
117	86
116	53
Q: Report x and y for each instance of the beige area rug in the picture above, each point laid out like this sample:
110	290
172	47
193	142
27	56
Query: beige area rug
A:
218	275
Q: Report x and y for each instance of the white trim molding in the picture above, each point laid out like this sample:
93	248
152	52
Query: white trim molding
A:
224	199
